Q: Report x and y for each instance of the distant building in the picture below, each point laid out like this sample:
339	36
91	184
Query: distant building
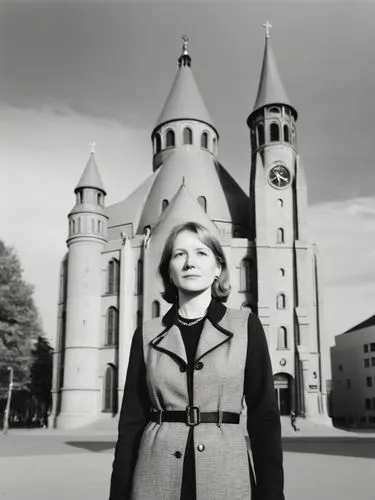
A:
109	284
353	376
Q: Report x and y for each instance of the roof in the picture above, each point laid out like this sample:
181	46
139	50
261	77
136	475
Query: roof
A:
202	176
91	177
184	100
129	210
270	90
198	170
182	208
365	324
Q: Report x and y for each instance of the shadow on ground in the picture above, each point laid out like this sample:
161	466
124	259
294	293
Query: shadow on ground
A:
357	448
95	446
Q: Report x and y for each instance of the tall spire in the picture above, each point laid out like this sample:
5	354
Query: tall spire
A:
91	177
184	101
271	89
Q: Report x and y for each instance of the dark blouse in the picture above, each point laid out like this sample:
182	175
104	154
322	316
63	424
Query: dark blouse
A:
263	420
190	335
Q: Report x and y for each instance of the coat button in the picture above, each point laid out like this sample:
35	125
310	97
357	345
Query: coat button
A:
201	447
177	454
182	368
199	365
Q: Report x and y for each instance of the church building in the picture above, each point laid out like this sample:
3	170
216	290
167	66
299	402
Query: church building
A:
109	283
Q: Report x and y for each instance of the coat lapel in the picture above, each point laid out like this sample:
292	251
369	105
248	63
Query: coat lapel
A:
170	342
215	333
211	338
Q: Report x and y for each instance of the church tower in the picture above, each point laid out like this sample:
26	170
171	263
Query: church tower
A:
286	278
77	392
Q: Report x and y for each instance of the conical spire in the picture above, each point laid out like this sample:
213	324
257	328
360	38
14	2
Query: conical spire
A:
184	100
91	177
271	89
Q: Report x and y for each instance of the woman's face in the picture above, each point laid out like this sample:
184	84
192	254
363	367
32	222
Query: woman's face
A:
193	266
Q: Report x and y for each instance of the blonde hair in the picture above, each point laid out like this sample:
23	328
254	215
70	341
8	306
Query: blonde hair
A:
220	288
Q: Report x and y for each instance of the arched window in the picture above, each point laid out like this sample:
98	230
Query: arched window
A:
286	133
187	136
280	235
164	205
274	110
155	309
140	277
109	404
260	129
282	272
282	338
112	326
157	143
204	140
281	301
280	202
202	202
170	139
245	268
274	132
113	276
99	226
99	199
81	196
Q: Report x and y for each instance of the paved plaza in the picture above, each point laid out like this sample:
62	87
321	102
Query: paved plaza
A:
320	463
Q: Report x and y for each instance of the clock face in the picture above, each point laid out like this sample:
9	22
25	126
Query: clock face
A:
279	176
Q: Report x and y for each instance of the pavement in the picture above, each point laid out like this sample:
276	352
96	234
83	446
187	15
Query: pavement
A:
320	462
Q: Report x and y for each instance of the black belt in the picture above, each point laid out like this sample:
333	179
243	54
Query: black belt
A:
192	416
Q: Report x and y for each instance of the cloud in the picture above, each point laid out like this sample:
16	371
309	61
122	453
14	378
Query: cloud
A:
44	152
345	235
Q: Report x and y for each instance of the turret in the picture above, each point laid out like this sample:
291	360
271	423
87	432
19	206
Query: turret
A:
184	121
80	396
273	118
87	218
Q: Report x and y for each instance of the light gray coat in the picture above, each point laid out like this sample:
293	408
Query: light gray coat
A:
222	468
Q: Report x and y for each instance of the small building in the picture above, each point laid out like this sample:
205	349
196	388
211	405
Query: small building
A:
353	376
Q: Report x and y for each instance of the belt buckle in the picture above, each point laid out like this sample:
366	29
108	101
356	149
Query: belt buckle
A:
193	416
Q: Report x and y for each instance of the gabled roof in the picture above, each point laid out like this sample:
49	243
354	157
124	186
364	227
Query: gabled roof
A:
183	208
270	90
91	177
184	100
365	324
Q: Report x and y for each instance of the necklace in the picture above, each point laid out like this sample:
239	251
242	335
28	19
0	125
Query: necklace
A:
190	323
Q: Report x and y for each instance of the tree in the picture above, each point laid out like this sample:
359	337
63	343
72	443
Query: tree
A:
19	321
41	377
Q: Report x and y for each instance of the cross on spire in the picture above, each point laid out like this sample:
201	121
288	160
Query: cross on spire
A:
92	147
267	27
184	59
185	39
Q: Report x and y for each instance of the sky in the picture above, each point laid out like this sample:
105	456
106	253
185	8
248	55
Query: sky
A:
76	72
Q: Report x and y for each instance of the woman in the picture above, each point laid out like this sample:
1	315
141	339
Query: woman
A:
179	432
